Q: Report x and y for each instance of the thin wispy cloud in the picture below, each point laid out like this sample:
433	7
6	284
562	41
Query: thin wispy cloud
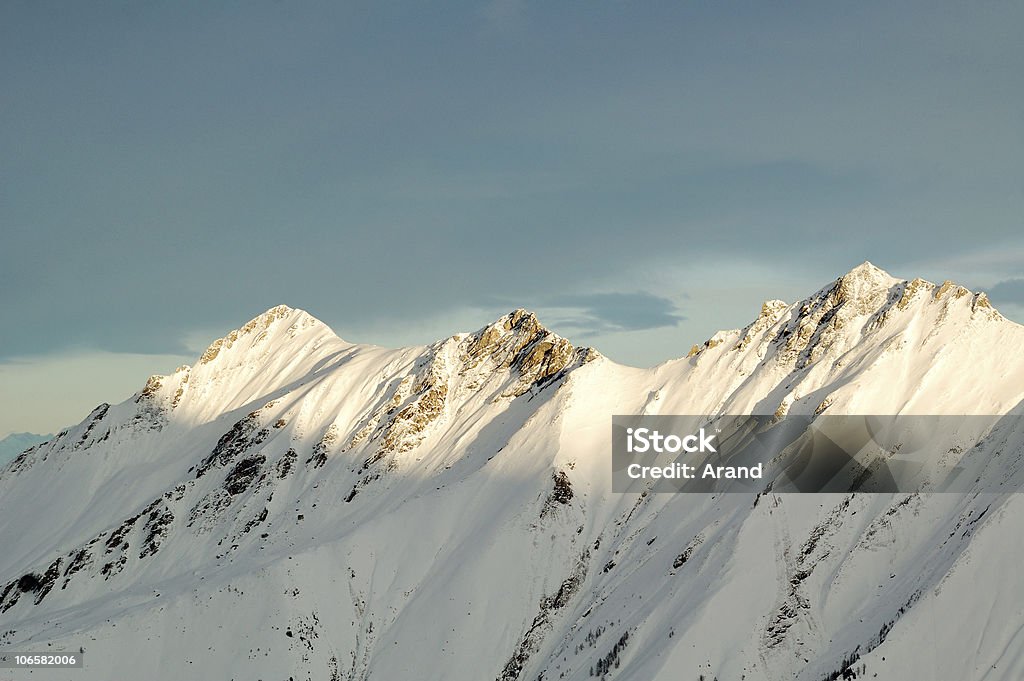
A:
1010	291
593	314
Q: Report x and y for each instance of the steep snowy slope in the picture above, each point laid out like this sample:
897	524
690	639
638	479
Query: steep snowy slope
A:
298	507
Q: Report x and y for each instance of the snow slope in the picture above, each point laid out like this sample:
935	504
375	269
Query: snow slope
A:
298	507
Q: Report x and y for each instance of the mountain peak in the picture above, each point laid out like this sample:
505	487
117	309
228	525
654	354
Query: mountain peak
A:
267	352
518	339
259	325
508	334
521	318
863	289
867	276
866	268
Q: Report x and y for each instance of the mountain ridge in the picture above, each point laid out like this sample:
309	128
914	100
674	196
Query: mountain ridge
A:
333	510
862	288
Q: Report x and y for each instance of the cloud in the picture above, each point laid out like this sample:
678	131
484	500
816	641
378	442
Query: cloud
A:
594	313
1010	291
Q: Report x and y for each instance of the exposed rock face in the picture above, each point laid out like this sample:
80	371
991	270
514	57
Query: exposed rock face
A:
518	341
863	302
255	327
819	322
516	353
246	434
912	290
771	312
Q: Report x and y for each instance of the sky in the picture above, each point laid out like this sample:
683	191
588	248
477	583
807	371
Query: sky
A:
641	174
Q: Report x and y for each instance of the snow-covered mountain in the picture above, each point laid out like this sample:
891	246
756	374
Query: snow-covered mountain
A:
16	443
294	506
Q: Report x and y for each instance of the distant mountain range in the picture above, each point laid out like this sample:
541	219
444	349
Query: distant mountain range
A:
16	443
294	506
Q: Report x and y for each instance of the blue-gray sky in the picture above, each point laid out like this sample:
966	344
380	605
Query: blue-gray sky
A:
640	173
